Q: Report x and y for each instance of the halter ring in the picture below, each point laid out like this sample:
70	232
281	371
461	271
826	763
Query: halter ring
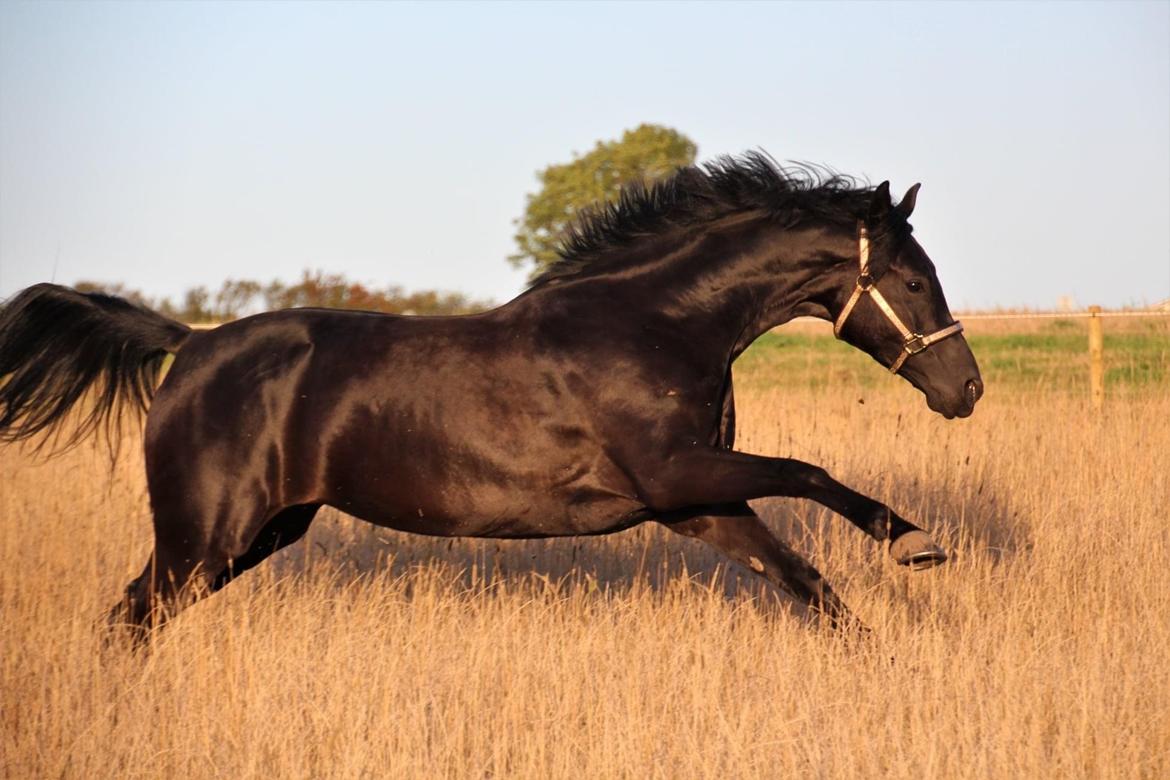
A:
915	344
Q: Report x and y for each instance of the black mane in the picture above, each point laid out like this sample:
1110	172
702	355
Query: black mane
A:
699	194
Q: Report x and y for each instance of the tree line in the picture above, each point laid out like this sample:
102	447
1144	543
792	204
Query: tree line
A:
236	298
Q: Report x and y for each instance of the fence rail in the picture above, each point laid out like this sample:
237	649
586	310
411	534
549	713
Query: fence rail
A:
1096	342
1065	315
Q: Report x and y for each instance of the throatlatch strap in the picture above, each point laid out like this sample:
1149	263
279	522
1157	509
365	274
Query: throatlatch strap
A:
912	343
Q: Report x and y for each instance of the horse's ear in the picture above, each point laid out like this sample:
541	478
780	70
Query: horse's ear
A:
905	206
879	204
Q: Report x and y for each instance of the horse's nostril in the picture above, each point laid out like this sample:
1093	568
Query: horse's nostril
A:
974	390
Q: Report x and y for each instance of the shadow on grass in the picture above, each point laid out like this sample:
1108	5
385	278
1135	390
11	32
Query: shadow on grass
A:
651	556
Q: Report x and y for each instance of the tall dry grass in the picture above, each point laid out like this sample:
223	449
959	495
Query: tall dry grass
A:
1041	650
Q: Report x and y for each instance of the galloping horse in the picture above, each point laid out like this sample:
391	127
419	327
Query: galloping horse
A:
598	399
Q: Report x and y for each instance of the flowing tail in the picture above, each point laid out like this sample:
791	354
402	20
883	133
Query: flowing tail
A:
56	344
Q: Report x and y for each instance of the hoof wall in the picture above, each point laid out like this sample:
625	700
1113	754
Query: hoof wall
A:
917	550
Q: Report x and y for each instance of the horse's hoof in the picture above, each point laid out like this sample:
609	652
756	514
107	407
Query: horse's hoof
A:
917	550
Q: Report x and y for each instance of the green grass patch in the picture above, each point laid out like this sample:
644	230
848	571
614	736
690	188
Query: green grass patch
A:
1055	358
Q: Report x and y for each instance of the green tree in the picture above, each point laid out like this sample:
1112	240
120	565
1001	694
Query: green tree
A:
646	153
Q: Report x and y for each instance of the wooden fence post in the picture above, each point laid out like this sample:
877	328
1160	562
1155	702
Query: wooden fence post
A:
1096	355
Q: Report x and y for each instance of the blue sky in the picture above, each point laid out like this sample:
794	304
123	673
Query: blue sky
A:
169	145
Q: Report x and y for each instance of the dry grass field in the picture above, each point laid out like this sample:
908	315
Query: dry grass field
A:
1041	650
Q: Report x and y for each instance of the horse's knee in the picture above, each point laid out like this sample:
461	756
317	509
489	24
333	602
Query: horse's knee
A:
811	477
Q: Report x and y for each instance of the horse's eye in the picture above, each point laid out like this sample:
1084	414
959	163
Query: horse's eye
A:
914	285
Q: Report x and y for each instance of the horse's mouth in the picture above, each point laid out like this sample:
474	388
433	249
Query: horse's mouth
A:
963	406
964	412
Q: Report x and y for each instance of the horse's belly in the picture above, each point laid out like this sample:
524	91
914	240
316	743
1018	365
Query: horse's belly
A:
490	512
437	467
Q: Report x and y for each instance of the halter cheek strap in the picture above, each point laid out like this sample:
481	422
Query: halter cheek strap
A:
912	343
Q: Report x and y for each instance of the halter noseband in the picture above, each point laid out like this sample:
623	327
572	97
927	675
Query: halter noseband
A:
912	343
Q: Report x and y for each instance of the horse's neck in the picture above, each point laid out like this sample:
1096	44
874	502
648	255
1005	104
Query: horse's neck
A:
734	285
719	289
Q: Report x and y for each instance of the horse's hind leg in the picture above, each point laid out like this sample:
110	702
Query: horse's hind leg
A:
201	559
286	527
188	565
738	532
168	583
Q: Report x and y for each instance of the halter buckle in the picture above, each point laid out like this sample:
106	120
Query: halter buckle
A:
914	344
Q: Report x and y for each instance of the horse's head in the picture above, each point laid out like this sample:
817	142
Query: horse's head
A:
896	311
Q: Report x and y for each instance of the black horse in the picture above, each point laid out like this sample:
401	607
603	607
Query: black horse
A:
598	399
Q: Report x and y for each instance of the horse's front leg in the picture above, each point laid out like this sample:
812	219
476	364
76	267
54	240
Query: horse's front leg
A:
739	533
717	476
